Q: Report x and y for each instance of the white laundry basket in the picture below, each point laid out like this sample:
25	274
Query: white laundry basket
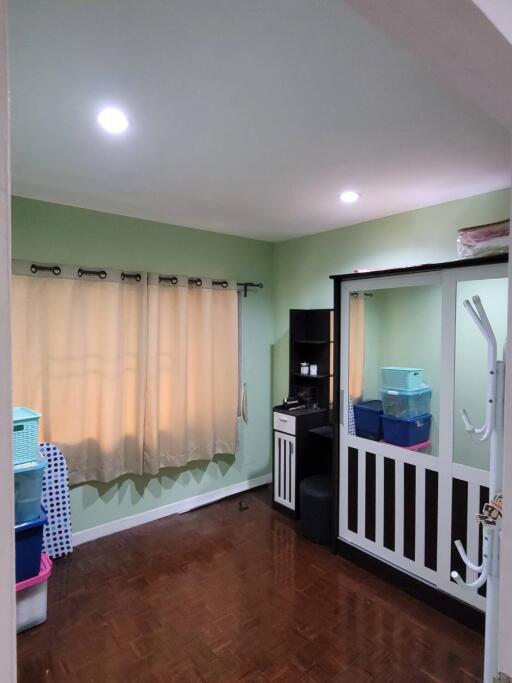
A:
31	597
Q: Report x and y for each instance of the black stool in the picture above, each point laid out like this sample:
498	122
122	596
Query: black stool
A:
315	508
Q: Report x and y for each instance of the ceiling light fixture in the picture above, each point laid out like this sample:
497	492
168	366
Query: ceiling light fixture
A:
113	120
349	197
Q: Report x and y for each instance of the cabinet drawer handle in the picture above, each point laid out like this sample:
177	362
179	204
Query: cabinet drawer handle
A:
283	419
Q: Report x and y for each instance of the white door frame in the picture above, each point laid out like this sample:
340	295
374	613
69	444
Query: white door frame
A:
7	599
505	623
447	280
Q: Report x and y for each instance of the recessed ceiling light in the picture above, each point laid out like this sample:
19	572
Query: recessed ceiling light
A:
349	197
113	120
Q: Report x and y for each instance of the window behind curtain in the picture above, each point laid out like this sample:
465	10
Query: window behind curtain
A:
79	353
192	383
129	376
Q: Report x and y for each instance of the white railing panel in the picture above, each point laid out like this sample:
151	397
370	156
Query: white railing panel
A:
472	528
391	557
291	472
379	501
396	453
470	474
419	535
399	508
361	493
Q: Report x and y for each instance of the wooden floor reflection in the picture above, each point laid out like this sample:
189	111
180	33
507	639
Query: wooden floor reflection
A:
225	595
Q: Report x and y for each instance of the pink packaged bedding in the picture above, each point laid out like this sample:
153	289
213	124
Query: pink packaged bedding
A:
483	240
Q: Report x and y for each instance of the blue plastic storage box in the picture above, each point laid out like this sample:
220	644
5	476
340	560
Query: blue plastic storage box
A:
406	404
406	379
29	544
25	435
406	432
367	417
28	484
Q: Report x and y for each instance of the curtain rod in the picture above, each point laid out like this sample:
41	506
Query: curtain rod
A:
245	285
220	283
173	279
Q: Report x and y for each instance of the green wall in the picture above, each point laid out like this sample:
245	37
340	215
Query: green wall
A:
296	275
402	328
55	233
302	266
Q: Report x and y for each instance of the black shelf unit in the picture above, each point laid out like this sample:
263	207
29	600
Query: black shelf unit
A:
303	437
311	341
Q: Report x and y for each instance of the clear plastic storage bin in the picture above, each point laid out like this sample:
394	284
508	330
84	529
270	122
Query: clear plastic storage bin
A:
406	404
405	379
28	483
31	597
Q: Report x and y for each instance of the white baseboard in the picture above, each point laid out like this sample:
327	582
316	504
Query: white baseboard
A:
179	507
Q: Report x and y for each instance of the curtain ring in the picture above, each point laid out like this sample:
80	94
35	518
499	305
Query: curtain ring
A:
131	276
102	274
56	270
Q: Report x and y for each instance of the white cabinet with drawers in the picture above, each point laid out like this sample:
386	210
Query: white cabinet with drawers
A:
294	454
284	469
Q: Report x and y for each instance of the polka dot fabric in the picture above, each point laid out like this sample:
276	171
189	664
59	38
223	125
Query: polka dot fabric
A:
57	540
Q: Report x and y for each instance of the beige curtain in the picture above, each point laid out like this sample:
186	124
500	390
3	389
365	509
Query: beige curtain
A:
79	357
356	348
192	373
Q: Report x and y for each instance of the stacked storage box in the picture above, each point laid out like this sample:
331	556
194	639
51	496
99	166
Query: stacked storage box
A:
367	416
32	570
406	400
31	597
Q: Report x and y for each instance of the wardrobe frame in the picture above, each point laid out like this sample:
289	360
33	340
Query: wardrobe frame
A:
434	586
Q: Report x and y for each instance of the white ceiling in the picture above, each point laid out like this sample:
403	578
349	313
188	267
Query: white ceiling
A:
247	116
500	13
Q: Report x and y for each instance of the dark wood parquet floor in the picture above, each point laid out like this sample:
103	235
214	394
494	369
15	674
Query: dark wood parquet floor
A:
220	595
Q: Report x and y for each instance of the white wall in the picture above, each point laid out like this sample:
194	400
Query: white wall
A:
7	613
505	627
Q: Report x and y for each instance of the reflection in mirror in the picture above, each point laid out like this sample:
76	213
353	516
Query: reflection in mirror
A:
471	365
396	328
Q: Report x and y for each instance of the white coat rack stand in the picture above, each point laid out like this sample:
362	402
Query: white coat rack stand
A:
488	570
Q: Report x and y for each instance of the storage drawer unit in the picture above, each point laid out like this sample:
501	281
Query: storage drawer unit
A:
294	454
284	423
